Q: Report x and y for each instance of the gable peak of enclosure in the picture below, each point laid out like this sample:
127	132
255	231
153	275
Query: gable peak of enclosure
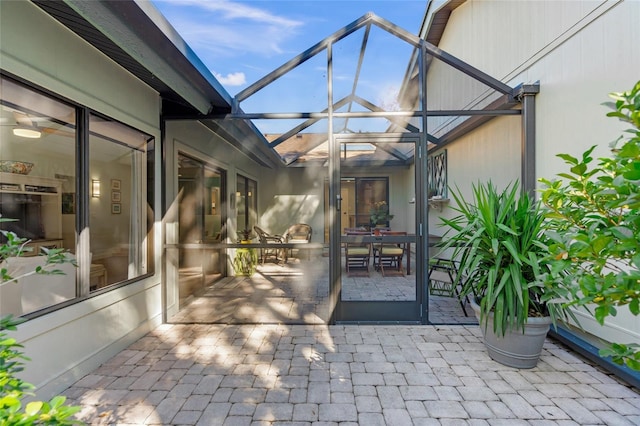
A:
372	85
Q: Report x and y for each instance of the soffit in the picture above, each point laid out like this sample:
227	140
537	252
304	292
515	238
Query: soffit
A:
139	39
438	21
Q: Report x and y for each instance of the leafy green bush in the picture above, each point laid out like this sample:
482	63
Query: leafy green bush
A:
594	213
12	388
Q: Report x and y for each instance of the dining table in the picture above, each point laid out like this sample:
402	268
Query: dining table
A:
407	240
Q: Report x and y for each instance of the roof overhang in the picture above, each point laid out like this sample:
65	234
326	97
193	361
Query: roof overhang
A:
434	23
136	36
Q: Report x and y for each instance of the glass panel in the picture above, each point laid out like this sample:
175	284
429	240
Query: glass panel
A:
118	207
307	145
247	204
451	89
37	187
371	69
302	89
372	201
242	220
202	217
378	248
213	211
252	203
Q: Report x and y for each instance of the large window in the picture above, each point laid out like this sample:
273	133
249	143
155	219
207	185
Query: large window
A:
370	192
45	185
359	195
119	215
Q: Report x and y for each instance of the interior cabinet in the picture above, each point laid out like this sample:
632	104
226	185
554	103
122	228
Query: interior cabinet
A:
36	202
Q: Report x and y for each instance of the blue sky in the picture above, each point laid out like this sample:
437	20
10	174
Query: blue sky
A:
241	41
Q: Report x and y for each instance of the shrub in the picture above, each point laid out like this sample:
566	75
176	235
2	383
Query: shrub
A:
594	213
12	388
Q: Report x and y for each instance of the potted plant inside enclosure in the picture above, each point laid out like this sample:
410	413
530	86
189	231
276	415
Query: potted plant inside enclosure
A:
498	240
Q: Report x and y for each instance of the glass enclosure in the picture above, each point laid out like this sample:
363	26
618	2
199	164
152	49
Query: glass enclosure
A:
353	112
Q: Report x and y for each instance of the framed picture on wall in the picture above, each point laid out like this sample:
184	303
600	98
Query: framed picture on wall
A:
115	196
115	208
68	203
116	184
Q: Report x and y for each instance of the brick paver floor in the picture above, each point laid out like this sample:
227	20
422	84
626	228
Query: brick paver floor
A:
213	374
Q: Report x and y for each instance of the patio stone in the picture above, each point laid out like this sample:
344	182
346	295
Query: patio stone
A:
310	390
338	412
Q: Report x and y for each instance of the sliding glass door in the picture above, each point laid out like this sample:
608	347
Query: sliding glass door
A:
202	219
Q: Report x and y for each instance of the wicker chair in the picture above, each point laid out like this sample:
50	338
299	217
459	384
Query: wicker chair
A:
300	233
266	252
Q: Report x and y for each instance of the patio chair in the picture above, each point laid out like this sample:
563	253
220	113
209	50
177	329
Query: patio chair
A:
442	278
388	257
357	255
265	238
300	233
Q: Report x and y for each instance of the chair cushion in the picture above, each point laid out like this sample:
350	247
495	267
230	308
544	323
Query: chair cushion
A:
391	251
357	250
297	240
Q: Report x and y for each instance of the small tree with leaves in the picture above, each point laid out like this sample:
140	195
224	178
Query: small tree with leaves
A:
12	388
594	212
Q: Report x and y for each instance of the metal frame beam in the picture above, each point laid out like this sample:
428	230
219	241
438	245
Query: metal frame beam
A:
527	94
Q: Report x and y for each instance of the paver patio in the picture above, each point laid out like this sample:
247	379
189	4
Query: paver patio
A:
213	374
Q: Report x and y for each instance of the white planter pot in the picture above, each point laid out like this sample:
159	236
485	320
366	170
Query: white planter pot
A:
515	349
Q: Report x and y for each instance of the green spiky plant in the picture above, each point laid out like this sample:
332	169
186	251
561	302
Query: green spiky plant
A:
594	212
13	389
499	243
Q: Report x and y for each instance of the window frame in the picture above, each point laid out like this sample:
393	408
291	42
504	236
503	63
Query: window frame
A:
83	196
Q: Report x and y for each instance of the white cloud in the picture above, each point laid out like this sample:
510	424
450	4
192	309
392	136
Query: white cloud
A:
241	11
227	27
232	79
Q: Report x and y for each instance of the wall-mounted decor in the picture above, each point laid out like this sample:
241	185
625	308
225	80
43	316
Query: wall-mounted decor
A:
115	196
115	208
68	203
116	184
95	188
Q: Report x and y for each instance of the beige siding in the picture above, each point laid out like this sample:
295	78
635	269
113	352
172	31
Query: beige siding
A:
579	51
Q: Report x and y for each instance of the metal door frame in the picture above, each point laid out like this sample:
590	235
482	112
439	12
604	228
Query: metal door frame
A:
376	312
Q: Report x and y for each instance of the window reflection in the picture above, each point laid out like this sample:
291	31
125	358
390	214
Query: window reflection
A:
118	217
37	188
246	203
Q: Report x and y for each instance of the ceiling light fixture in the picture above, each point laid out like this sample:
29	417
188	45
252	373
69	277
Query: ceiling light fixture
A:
30	132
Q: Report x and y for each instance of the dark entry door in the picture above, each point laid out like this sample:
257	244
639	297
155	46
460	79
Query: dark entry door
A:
380	280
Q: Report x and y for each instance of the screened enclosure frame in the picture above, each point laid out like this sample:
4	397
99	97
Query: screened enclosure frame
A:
410	121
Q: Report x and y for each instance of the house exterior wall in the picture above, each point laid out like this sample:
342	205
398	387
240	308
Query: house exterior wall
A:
492	152
579	51
68	343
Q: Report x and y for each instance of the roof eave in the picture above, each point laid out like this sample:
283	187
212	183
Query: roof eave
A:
434	24
136	36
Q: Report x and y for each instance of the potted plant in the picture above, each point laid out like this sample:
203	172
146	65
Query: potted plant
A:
245	236
500	245
379	214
